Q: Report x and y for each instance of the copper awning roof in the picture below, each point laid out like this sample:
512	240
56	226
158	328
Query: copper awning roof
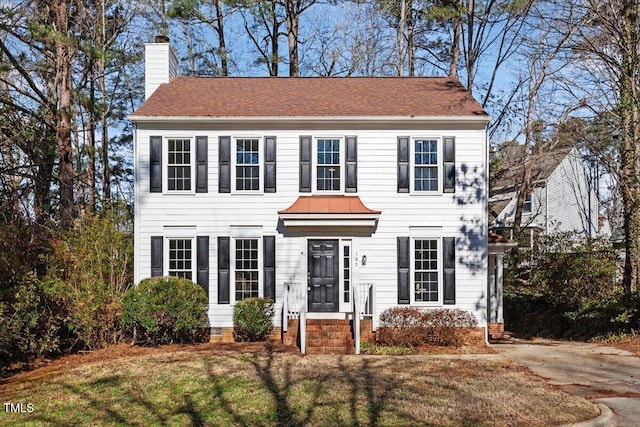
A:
336	204
346	214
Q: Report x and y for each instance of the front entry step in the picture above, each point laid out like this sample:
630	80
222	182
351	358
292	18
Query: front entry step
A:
330	336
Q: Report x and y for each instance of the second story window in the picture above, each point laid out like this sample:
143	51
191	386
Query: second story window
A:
328	176
526	208
425	165
247	164
179	164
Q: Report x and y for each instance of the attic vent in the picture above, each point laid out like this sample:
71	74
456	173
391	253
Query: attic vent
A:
162	39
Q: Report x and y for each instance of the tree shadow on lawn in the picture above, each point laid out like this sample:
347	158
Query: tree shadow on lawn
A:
369	392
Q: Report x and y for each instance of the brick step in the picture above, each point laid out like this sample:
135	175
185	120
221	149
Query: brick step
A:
330	350
328	322
325	332
328	327
329	342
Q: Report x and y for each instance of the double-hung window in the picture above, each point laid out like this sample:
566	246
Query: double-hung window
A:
181	258
248	165
328	171
426	165
179	165
426	270
247	269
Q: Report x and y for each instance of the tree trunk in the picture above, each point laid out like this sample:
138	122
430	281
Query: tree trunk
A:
222	46
63	113
471	53
629	113
455	43
411	41
292	16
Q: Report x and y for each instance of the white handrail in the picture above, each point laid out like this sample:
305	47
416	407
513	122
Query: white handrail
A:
360	299
302	321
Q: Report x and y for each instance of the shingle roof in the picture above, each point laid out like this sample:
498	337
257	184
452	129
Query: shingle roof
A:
328	205
511	170
220	97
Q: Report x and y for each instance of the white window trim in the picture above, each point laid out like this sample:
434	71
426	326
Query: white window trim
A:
440	272
165	165
346	306
232	265
194	255
314	165
261	153
412	170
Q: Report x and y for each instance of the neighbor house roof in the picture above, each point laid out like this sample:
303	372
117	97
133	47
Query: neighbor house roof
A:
328	205
509	177
312	97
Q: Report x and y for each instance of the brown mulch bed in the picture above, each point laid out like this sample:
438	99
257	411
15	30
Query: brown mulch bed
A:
119	351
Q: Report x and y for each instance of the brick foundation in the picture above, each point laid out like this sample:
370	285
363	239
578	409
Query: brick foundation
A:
366	331
496	330
225	336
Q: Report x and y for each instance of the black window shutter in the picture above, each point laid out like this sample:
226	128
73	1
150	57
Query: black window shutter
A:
403	164
449	179
270	164
223	270
269	266
449	264
202	184
404	281
156	256
202	243
155	164
351	185
305	164
224	164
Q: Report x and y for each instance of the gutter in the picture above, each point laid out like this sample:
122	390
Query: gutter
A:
332	119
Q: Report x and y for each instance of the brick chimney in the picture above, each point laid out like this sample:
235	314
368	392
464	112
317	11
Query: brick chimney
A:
160	64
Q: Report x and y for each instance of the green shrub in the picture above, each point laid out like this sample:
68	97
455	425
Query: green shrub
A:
164	310
32	325
409	327
253	319
90	270
568	288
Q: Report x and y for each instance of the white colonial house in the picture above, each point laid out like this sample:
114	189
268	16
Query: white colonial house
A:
563	197
337	197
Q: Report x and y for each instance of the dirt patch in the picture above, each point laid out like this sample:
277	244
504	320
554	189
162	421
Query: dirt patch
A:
631	344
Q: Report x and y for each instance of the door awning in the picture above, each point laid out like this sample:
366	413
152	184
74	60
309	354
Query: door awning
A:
329	211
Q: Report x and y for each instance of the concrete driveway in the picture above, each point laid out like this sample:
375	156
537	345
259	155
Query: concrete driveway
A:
602	374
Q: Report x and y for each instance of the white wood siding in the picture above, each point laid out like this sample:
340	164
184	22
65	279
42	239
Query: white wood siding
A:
462	214
572	204
160	64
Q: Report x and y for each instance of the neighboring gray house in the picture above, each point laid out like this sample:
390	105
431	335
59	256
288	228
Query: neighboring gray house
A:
337	197
563	197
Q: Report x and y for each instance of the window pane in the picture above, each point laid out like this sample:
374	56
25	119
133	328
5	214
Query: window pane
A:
246	277
247	153
180	261
426	270
179	164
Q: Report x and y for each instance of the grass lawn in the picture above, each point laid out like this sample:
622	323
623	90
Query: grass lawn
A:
199	385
